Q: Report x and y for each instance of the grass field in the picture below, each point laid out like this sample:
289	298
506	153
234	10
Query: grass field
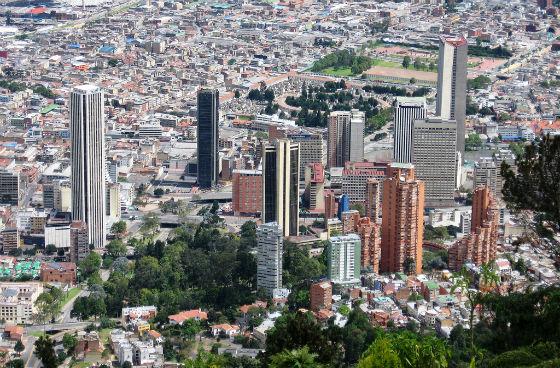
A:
341	72
71	293
387	64
38	334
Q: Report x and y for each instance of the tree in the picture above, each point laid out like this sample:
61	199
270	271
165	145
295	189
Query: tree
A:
150	223
19	347
380	355
90	264
50	249
406	62
16	363
118	228
358	207
116	248
300	358
127	364
44	348
158	192
473	142
48	305
237	94
69	342
417	63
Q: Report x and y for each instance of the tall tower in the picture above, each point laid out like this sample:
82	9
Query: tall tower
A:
402	227
452	84
88	161
280	168
207	137
407	109
345	137
269	260
343	259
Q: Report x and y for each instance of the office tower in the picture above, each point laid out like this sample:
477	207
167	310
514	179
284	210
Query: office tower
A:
370	235
208	111
112	170
320	294
343	259
407	110
402	221
355	177
10	239
62	195
451	101
88	160
79	241
48	196
330	204
480	245
345	137
486	173
314	195
247	192
503	155
343	205
10	187
434	155
113	201
280	167
310	148
373	200
269	262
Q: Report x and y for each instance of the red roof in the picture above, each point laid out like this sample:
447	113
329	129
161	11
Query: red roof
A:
38	10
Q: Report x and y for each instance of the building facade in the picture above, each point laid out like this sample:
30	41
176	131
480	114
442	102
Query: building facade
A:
314	194
88	160
10	187
486	174
345	137
373	199
269	260
407	110
310	149
321	296
17	301
343	257
208	114
247	192
79	241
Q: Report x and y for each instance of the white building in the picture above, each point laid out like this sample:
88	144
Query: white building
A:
17	301
269	261
343	254
59	236
345	137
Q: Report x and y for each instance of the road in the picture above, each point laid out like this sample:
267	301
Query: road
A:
65	312
56	327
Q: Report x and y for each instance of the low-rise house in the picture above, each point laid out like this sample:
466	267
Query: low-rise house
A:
195	314
225	329
59	272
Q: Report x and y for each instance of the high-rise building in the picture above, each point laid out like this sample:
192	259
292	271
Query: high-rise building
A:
62	195
434	155
345	137
451	103
88	160
247	192
350	221
402	221
10	239
320	294
373	199
280	167
370	235
486	174
314	187
79	241
480	246
208	114
330	204
310	148
113	200
407	110
343	205
269	260
343	259
10	186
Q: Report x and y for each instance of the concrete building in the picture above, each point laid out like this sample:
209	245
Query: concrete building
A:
59	236
10	187
407	110
59	272
62	193
314	195
451	100
113	201
434	155
345	137
17	301
247	192
280	167
269	260
321	296
350	221
486	174
355	178
88	160
10	239
343	257
402	221
373	200
480	246
208	114
370	236
330	204
310	148
79	241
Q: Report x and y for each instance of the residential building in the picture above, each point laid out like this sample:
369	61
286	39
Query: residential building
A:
330	204
321	296
350	221
402	221
407	110
343	259
88	160
373	199
434	155
247	192
17	301
194	314
10	187
355	177
79	241
451	100
280	167
345	137
10	239
269	258
370	236
113	201
314	195
208	114
59	272
486	174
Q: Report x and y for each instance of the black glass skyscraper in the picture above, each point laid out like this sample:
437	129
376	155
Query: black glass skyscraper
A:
207	137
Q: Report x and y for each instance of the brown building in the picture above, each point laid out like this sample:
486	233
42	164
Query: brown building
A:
370	234
321	296
79	241
331	207
61	272
314	195
402	221
350	221
247	192
480	245
373	203
10	240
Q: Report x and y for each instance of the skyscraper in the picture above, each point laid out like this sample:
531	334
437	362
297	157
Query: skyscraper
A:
407	110
310	148
269	262
343	259
345	137
402	221
207	137
280	168
88	161
451	101
486	173
373	199
434	155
